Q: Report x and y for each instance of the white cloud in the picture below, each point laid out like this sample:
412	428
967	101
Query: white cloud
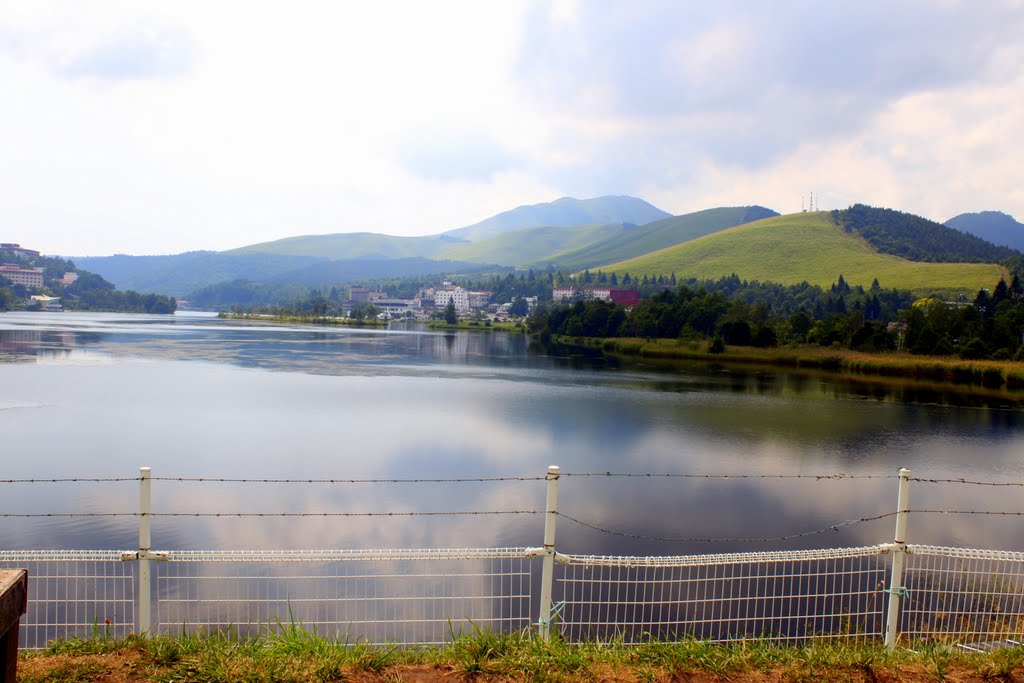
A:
163	128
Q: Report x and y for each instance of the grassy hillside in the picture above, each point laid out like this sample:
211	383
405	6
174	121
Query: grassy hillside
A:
530	245
657	235
563	212
805	246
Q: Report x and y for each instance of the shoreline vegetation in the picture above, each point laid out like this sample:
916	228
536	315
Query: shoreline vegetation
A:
990	375
292	654
477	326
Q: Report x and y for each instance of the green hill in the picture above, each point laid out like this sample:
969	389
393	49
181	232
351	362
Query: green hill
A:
636	241
563	212
804	247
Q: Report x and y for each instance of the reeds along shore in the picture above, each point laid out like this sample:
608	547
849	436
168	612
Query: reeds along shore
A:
987	374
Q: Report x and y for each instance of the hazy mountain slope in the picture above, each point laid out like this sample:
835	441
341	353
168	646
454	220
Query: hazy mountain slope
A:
660	234
531	244
182	273
564	212
993	226
805	246
354	270
351	245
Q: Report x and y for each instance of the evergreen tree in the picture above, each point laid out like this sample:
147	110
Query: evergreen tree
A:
450	316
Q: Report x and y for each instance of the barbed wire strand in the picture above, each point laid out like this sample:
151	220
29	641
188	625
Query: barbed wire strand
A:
269	481
814	532
452	513
63	480
653	475
457	480
965	481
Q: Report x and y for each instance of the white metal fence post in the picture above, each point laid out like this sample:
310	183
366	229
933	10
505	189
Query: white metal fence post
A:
547	577
144	615
899	554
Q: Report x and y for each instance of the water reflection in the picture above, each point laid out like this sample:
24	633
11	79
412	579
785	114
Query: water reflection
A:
100	395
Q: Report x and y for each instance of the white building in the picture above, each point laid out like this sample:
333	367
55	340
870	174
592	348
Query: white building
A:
442	295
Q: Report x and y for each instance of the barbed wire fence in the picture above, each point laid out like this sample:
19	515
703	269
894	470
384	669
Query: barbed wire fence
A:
968	595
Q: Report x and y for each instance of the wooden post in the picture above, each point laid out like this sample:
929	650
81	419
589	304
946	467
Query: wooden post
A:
13	603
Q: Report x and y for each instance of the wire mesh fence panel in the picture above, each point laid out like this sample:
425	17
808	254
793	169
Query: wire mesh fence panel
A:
375	596
74	593
973	597
774	595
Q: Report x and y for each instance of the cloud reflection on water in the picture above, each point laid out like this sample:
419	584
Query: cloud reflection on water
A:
214	399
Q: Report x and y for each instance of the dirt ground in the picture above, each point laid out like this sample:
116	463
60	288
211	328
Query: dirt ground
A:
128	667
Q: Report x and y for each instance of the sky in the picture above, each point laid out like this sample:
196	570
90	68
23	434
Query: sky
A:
158	128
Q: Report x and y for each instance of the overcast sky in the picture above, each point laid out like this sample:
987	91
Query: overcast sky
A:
146	128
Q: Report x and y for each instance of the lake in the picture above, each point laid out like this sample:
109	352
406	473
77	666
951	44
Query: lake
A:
97	395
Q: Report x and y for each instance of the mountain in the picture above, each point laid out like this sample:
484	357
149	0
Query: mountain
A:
638	240
356	270
809	247
994	226
566	211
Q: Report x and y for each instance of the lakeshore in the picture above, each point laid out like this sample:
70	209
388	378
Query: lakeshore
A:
985	376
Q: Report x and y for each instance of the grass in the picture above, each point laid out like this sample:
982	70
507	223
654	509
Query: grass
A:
650	237
989	375
292	654
805	247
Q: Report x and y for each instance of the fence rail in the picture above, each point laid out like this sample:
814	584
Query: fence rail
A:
889	591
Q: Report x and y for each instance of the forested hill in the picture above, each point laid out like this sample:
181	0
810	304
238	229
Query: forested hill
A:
89	292
918	239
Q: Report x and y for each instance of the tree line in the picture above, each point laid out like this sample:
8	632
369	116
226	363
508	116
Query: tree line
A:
730	311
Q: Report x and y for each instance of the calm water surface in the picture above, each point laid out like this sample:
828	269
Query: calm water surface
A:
98	395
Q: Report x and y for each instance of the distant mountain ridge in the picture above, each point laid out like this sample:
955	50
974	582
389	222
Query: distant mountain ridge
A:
563	212
292	258
993	226
752	242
